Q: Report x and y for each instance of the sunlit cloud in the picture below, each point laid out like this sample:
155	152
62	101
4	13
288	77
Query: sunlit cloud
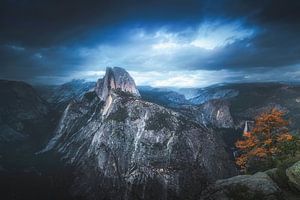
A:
250	42
164	48
184	78
214	35
88	75
166	45
162	57
209	35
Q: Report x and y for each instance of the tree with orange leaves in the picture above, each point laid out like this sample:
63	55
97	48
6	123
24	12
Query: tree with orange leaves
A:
264	142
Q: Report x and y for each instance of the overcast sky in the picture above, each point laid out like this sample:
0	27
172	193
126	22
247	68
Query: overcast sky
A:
186	43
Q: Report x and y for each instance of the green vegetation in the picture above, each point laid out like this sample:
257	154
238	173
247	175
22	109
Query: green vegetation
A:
89	96
120	115
159	121
123	93
282	165
289	148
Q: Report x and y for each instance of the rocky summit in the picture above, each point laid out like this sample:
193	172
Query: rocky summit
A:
125	148
115	78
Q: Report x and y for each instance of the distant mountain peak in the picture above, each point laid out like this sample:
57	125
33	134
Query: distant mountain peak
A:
115	78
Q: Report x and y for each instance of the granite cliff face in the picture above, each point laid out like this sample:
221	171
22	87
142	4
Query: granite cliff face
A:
115	79
127	148
217	113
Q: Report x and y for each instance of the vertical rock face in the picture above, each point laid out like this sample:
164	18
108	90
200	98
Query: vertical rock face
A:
115	78
214	113
217	113
127	148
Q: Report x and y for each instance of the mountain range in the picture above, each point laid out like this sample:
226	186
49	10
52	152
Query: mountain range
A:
114	140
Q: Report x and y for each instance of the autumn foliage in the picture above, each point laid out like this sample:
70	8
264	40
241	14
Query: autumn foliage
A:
265	140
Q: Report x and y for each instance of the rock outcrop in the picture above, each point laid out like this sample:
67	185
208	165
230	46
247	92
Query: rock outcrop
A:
293	174
257	186
127	148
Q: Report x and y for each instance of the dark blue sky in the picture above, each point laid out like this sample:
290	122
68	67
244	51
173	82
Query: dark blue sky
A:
187	43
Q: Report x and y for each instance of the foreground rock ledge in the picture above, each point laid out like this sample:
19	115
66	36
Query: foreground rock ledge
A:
293	174
257	186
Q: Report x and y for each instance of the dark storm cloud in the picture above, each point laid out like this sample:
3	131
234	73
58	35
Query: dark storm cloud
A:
59	38
277	42
24	63
50	22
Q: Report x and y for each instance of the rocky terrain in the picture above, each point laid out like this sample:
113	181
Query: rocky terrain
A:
257	186
113	140
237	102
127	148
213	113
273	184
244	101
